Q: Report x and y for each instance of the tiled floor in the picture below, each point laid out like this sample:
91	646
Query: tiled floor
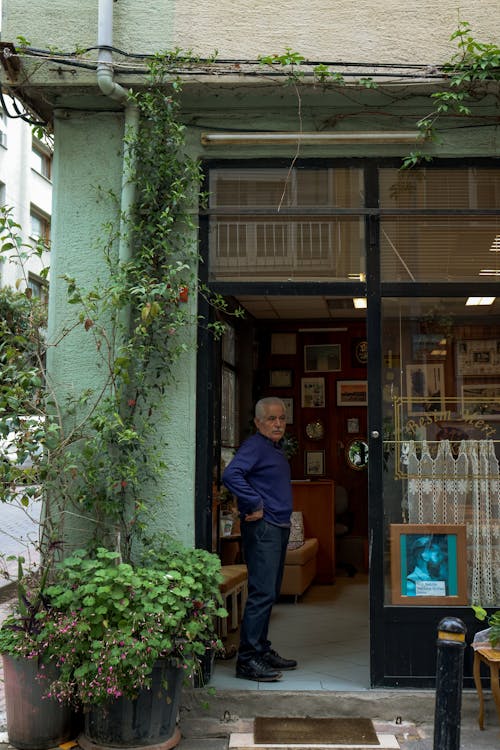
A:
327	631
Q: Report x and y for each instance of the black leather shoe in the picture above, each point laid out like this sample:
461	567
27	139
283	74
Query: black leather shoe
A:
257	669
275	661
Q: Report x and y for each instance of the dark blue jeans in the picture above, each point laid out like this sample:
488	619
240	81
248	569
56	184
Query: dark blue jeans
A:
264	547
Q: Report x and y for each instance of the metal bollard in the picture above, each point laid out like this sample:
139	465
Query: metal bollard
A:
449	676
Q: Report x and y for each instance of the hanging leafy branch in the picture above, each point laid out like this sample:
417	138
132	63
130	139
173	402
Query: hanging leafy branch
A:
104	454
470	70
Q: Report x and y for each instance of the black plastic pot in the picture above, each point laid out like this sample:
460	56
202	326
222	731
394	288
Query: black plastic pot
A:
149	720
203	674
34	722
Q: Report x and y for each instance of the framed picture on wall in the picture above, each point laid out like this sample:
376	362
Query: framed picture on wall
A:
313	393
353	426
315	463
288	409
359	352
281	378
322	358
425	388
428	564
352	393
283	343
482	400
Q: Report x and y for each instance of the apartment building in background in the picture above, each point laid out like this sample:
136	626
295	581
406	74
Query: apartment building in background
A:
26	192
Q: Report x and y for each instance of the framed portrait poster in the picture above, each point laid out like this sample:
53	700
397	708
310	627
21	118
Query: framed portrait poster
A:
313	393
315	463
352	393
428	564
322	358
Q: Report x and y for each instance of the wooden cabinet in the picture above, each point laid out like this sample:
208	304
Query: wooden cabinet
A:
316	500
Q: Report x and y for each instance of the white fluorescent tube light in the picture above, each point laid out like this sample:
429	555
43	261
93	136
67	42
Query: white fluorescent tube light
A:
489	272
250	138
480	301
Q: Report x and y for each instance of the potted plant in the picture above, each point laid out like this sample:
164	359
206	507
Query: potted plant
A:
119	639
33	722
123	638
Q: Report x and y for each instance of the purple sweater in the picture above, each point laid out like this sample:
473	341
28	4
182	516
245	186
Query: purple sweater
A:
259	476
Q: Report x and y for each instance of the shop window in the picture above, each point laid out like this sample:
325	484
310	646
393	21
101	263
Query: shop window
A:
424	247
287	227
441	401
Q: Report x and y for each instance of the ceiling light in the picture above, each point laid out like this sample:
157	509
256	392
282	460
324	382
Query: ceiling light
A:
359	302
480	300
489	272
495	246
254	138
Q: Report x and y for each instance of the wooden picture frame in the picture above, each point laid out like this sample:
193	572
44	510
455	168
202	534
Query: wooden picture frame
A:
482	400
288	409
352	392
315	463
352	425
425	388
322	358
428	564
281	378
283	343
312	393
478	357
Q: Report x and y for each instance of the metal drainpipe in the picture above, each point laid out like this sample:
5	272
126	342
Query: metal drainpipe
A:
110	88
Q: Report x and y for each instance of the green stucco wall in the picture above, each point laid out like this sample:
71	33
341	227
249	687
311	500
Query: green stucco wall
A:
87	169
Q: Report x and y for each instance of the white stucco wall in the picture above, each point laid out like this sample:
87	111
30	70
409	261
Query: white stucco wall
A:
368	30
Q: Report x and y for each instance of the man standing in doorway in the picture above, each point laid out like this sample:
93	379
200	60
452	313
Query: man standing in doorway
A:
259	476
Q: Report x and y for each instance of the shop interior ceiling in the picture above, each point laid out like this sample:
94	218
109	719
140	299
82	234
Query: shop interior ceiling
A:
292	307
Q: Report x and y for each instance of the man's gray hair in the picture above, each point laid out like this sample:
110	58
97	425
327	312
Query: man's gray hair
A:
260	406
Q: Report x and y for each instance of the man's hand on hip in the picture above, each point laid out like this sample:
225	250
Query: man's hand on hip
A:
255	516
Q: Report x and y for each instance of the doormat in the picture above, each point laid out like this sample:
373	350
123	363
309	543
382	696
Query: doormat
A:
314	731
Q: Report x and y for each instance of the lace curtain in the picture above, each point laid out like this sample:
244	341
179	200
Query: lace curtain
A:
461	489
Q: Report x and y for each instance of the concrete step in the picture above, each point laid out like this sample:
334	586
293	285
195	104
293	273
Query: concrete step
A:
226	707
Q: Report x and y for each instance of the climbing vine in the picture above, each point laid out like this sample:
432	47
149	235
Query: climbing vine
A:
95	454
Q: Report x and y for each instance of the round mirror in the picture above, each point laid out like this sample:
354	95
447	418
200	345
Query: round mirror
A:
357	454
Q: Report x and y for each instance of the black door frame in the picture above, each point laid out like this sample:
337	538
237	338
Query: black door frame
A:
375	290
